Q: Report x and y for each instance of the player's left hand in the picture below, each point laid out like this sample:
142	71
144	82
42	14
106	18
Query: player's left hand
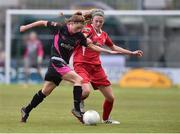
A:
22	28
138	53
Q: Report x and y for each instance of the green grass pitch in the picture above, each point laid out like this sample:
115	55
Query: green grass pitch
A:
138	110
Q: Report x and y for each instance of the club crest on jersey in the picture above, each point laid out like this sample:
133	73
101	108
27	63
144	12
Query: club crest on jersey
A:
86	29
67	46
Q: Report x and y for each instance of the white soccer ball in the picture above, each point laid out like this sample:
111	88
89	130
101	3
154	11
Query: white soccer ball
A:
91	117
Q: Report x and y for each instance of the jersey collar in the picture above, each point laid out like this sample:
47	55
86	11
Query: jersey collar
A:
98	34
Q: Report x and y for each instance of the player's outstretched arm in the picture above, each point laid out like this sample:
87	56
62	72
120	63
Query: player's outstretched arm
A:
100	49
97	48
23	28
125	51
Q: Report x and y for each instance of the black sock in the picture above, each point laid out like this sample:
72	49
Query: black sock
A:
38	98
77	93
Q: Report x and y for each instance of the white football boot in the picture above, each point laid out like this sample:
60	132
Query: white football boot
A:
110	121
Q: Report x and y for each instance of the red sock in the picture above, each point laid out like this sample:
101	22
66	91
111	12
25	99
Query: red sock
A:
107	107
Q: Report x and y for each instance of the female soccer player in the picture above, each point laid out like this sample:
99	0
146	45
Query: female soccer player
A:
88	65
66	39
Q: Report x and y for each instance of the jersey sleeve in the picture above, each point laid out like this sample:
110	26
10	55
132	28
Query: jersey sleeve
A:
83	40
53	26
109	41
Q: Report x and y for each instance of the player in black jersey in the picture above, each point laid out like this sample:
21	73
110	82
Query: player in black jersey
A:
66	38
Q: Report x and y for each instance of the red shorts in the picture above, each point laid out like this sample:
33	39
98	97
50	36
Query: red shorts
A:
93	74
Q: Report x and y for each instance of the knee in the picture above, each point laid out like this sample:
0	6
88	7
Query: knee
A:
46	92
78	80
86	91
110	98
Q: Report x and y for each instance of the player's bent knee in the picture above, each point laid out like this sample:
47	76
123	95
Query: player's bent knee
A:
46	92
78	80
110	98
86	90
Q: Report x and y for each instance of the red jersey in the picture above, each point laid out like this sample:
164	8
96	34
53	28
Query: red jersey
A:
87	55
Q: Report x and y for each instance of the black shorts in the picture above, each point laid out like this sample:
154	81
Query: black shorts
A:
56	70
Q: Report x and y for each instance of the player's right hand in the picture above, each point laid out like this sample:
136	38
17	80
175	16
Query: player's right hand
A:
22	28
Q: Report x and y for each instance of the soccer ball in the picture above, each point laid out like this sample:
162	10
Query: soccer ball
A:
91	117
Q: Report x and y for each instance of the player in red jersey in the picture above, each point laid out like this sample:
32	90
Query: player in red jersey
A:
88	65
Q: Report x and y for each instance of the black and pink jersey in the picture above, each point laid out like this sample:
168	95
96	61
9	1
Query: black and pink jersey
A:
64	42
